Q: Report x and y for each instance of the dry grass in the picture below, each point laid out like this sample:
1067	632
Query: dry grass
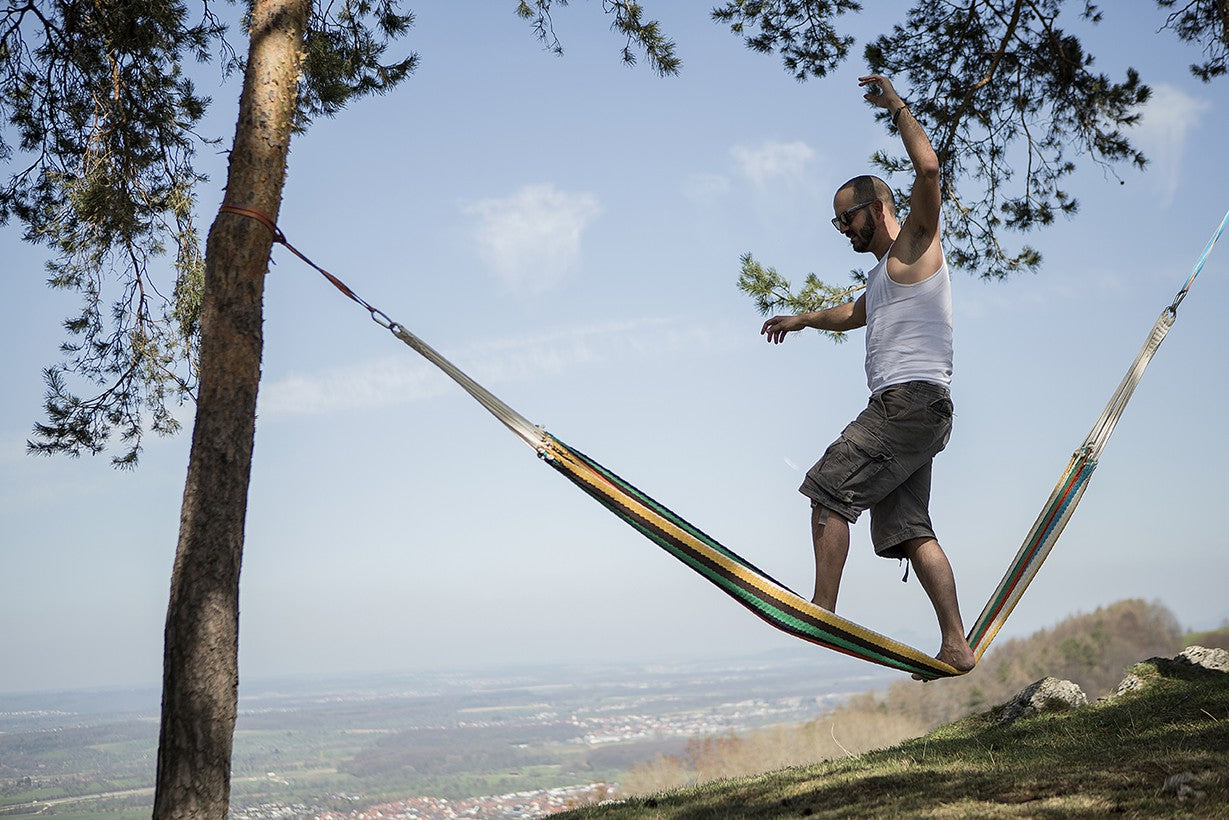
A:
848	731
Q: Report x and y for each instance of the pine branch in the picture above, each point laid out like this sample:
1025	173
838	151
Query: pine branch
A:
773	293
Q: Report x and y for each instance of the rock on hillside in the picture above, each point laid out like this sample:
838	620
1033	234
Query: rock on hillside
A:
1046	695
1194	660
1053	695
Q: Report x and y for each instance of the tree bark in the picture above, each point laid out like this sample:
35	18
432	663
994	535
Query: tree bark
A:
1223	6
200	661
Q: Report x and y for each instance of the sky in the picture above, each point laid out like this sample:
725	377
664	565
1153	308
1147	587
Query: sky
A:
568	230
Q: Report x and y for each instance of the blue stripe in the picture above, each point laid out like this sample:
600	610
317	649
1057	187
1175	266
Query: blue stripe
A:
1203	257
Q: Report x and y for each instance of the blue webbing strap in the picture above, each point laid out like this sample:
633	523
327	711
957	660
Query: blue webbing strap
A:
1203	257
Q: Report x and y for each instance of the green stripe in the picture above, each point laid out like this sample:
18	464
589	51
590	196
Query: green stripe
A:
1005	590
1072	479
655	505
666	513
747	598
769	610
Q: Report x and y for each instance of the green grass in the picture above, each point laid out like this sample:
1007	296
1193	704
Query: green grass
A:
79	789
1112	757
18	798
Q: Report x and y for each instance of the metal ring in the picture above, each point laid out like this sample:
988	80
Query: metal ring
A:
381	318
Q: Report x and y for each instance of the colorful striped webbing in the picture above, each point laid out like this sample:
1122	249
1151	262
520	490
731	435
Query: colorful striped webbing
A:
770	600
758	592
1046	529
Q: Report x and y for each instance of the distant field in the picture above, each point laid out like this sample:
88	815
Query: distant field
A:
341	745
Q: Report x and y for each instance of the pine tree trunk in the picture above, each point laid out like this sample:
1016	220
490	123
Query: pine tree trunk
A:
200	661
1223	6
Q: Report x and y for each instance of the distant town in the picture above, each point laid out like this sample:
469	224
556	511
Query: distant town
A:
538	803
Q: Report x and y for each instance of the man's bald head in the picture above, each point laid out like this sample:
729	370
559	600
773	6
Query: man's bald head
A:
867	187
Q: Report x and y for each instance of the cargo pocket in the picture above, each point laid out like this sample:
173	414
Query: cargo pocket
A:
942	409
851	465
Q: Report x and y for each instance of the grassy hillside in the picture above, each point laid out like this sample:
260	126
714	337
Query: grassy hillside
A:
1160	751
1089	649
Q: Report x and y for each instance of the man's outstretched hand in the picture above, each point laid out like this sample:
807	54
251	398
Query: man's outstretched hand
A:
776	328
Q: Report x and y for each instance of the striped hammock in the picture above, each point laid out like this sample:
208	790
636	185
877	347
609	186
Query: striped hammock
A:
756	590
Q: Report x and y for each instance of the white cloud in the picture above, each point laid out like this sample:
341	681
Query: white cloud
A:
771	160
531	239
705	188
410	378
375	384
1167	120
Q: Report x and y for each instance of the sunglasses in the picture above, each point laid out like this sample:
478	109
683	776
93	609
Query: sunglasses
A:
843	219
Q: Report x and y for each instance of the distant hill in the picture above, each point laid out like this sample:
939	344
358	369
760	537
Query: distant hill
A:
1160	749
1215	638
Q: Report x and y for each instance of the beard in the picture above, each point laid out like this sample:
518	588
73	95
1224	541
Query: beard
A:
861	238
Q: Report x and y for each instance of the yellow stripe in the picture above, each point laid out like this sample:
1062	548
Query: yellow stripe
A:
770	590
1079	460
1030	573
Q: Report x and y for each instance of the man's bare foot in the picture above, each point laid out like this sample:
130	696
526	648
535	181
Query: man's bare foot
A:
959	656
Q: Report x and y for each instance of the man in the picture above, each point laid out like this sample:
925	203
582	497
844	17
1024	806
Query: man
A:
882	461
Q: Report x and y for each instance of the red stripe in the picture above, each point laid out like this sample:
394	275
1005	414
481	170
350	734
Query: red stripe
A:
1020	571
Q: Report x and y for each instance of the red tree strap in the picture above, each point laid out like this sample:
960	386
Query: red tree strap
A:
280	238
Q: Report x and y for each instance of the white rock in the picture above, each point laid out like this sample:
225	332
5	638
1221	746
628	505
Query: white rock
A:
1046	695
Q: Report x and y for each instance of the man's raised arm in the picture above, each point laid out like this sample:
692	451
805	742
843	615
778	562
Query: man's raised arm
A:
925	200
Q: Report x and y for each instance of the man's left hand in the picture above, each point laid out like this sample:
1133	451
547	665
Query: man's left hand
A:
887	96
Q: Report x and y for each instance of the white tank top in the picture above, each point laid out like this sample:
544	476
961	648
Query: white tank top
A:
908	329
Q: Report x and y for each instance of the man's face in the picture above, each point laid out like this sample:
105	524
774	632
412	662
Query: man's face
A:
861	226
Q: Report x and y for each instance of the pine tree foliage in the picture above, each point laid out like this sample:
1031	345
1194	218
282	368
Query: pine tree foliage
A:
660	51
344	52
100	135
772	292
1205	23
101	114
98	122
1008	97
803	31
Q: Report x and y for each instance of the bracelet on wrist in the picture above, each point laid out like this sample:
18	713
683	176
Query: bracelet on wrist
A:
896	115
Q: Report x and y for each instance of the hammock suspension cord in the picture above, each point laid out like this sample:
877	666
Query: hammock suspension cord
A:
514	421
765	597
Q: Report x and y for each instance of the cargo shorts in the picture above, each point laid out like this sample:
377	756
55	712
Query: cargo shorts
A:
882	463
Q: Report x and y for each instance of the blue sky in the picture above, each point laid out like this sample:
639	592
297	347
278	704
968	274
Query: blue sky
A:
568	230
